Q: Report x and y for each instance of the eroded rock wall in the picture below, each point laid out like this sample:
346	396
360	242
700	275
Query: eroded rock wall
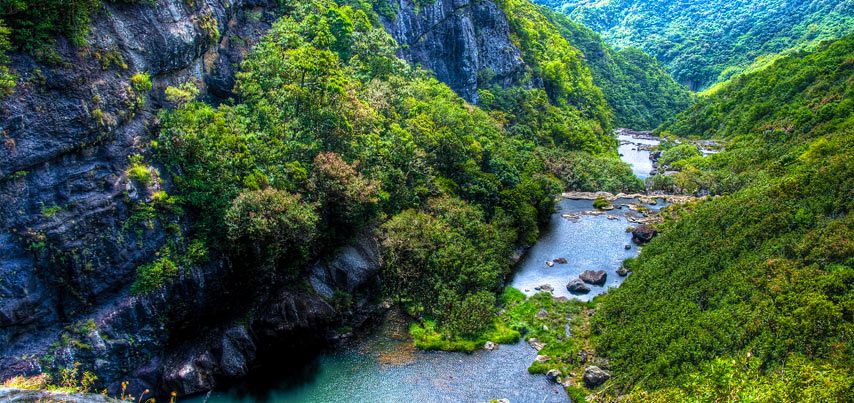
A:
466	43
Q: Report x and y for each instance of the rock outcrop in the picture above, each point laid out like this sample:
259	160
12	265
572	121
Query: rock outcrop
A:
576	286
466	43
595	376
595	277
71	243
643	234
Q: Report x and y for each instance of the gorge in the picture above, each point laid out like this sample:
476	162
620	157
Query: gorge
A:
301	201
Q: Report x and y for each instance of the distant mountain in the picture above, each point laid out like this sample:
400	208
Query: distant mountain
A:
706	41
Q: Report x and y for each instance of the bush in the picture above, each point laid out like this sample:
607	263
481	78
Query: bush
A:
678	153
138	171
348	201
154	275
141	82
275	224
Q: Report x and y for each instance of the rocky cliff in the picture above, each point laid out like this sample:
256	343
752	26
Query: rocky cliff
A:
71	239
68	253
466	43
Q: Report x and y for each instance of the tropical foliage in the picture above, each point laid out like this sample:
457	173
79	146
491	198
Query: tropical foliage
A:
640	92
705	41
331	133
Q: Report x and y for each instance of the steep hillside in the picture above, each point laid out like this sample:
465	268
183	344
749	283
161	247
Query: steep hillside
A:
640	92
749	295
706	41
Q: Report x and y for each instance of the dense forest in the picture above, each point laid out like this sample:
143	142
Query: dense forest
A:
748	295
704	42
639	90
332	133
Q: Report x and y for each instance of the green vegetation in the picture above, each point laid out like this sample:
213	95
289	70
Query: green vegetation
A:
706	41
640	92
601	203
140	172
34	25
7	79
749	295
51	211
592	173
154	275
676	153
331	133
561	66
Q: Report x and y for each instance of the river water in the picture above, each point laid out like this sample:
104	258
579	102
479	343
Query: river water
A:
385	368
632	152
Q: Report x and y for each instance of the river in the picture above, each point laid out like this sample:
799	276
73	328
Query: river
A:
385	368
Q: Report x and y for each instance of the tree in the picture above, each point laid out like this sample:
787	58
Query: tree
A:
276	225
348	201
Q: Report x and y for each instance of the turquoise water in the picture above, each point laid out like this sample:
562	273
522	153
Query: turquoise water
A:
385	368
351	375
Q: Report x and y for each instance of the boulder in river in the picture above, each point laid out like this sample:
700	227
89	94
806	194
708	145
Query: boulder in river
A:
596	277
643	234
550	263
489	346
553	375
577	286
545	288
595	376
623	272
560	260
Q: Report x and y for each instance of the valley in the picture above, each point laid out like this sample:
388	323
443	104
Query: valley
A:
386	200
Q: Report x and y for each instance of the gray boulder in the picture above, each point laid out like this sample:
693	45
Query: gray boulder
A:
643	234
597	277
577	286
595	376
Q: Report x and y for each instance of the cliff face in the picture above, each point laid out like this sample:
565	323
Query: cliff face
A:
68	251
464	42
71	240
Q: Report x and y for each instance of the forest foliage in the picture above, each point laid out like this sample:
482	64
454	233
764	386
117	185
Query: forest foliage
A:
331	134
706	41
640	92
749	295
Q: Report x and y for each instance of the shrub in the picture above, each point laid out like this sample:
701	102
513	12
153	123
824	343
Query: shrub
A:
182	94
678	153
141	82
154	275
348	201
274	223
138	171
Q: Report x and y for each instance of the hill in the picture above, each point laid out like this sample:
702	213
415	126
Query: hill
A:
749	295
706	41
